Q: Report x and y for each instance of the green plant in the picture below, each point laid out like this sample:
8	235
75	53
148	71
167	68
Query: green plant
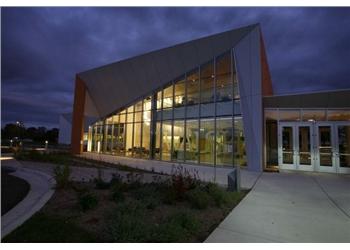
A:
87	201
127	223
198	198
183	180
220	196
178	227
62	174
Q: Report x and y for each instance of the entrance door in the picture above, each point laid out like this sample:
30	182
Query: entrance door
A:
296	146
286	149
304	144
342	147
325	147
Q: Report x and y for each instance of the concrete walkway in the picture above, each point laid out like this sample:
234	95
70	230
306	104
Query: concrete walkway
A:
291	207
41	190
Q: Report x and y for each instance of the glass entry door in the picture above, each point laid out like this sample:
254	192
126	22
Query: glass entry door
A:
296	146
304	151
343	147
325	147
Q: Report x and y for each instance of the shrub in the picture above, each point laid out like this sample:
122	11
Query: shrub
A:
118	196
169	196
127	223
87	201
99	182
183	180
198	198
177	227
221	196
62	175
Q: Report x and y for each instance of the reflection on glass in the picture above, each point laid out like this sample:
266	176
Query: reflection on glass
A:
235	79
193	88
344	146
206	141
147	103
325	146
192	136
287	145
338	115
289	115
138	106
224	144
223	78
313	115
304	145
129	139
137	140
179	95
239	155
138	117
145	149
158	141
159	99
166	140
207	83
168	97
178	141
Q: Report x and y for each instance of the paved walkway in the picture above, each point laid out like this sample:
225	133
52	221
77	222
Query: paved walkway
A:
291	207
40	192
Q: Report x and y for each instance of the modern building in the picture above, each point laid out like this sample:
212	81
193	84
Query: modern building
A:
209	102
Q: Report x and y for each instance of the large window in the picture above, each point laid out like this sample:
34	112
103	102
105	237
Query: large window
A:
192	140
223	78
207	141
196	119
224	143
239	155
166	140
178	141
207	83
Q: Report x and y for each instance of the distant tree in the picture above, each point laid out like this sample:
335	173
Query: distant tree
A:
12	130
52	135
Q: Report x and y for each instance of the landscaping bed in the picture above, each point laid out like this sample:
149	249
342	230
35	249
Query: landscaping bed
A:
181	209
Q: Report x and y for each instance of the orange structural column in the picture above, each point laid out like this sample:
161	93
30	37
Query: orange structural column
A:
78	116
265	71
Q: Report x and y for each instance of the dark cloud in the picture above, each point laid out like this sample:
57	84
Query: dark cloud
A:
43	48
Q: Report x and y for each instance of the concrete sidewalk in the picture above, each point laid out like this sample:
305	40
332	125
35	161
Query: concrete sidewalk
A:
41	190
291	207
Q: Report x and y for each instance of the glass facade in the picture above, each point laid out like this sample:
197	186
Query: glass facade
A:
195	118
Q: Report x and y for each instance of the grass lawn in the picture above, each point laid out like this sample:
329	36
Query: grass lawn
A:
182	209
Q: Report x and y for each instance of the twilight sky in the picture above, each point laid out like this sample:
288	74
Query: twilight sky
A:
43	48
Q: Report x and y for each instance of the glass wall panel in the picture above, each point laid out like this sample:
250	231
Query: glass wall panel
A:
159	99
147	103
207	83
207	109
167	114
178	141
179	94
344	146
129	139
235	79
130	109
146	138
158	141
137	140
168	97
138	117
122	116
107	139
237	107
193	88
166	140
239	155
224	144
138	106
192	136
130	117
224	108
207	141
313	115
223	78
289	115
338	115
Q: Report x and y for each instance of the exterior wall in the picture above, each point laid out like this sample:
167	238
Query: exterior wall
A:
78	116
248	64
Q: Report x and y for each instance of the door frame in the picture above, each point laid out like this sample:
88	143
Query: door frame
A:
299	166
342	170
318	166
282	165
